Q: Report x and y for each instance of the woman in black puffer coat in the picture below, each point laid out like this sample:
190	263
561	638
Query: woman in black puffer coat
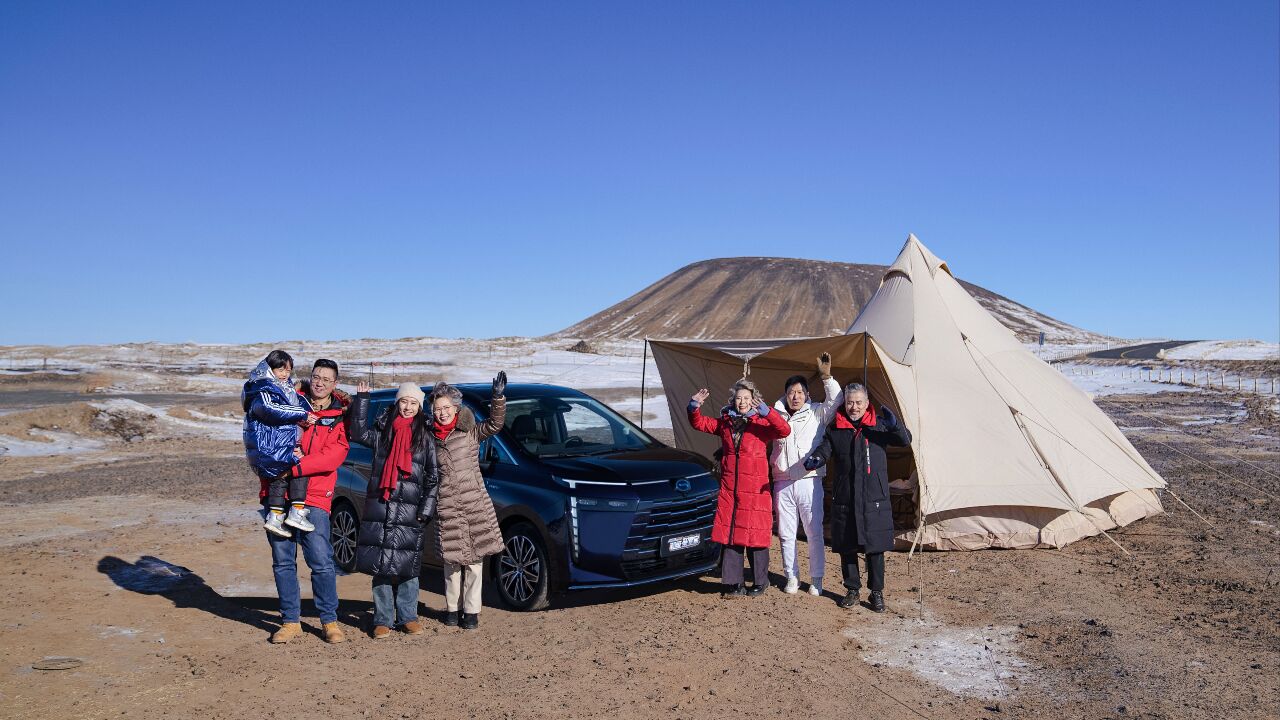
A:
399	501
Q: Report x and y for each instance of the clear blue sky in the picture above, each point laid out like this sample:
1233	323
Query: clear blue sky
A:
260	171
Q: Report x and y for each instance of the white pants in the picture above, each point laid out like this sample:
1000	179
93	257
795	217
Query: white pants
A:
800	500
467	584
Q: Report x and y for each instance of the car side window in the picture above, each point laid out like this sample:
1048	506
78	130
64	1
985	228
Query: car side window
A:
492	451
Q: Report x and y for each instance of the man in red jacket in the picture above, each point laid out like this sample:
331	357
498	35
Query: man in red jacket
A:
320	454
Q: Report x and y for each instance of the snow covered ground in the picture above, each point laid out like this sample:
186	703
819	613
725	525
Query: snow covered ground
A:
613	369
1226	350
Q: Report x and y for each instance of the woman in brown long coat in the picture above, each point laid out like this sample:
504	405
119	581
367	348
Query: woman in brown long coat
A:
467	526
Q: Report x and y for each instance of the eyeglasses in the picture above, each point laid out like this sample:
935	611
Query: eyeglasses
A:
322	380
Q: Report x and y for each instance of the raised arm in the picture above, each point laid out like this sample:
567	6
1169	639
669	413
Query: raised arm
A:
701	422
776	427
899	435
358	426
497	409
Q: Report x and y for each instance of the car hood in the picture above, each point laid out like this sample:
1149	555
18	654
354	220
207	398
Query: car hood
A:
661	463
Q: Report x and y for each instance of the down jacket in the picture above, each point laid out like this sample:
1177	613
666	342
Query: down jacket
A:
390	541
272	411
467	527
807	427
744	507
324	448
861	515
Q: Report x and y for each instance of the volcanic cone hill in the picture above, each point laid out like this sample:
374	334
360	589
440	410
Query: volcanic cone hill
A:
754	297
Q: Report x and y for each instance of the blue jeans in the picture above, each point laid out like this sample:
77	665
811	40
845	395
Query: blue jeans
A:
317	550
394	598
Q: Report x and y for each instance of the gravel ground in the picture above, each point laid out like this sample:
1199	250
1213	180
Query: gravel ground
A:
151	572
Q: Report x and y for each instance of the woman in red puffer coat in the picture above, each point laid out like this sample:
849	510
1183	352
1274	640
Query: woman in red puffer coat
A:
744	508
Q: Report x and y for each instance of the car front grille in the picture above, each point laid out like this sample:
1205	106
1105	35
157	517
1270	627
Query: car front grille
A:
642	556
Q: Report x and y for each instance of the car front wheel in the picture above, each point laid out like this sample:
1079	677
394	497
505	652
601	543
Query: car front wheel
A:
521	570
344	529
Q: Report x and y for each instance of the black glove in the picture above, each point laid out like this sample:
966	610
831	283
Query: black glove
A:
428	511
813	462
500	384
890	421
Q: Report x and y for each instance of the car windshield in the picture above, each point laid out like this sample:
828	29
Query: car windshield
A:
571	427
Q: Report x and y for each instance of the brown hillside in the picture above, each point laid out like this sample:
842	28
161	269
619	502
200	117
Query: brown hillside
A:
753	297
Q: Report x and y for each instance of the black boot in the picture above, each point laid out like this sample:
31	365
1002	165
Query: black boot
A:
849	600
757	590
876	601
451	618
470	621
733	591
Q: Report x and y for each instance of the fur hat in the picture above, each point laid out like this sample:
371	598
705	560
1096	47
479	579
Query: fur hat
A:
411	390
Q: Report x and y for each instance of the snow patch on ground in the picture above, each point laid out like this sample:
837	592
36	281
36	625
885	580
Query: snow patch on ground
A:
1098	380
58	443
1225	350
972	661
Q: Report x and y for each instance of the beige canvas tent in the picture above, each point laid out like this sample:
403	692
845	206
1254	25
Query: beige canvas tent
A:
1006	452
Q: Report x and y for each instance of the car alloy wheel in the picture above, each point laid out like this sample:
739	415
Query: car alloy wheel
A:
344	529
522	569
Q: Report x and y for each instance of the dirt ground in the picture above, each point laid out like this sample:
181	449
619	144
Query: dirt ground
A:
146	566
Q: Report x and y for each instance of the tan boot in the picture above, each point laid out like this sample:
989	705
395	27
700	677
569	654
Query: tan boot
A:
333	634
287	632
381	631
413	627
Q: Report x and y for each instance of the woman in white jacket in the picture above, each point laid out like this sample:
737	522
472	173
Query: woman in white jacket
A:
797	492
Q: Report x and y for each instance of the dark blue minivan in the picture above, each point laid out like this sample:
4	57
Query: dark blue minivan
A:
585	499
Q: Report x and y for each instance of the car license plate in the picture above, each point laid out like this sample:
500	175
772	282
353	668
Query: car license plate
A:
681	543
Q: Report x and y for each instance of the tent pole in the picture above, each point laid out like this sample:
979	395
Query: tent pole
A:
864	364
644	366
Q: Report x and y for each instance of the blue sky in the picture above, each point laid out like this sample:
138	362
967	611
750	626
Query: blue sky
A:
264	171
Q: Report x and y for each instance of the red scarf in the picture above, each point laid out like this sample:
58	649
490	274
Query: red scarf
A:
400	458
442	431
844	423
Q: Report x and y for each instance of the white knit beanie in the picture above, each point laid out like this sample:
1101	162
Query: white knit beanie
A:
410	390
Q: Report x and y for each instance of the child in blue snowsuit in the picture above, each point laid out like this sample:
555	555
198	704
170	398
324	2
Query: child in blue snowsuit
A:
273	414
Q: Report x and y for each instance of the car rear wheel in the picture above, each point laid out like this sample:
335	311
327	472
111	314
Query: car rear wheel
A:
521	570
344	529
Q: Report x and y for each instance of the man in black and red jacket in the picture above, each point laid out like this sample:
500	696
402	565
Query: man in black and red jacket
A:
321	452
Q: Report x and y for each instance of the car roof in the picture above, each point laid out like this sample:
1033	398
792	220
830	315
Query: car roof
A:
480	392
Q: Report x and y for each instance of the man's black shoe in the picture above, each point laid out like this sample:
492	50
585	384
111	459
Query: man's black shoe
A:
757	590
451	618
849	600
470	621
733	591
876	601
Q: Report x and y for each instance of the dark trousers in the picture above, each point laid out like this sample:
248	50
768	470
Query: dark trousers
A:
276	487
875	571
731	564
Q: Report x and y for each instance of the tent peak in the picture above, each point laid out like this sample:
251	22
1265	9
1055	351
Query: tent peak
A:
933	262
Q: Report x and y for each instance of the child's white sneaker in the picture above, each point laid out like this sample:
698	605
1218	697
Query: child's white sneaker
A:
815	587
297	518
793	584
275	525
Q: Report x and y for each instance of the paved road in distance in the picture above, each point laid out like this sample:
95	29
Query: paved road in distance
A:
1146	351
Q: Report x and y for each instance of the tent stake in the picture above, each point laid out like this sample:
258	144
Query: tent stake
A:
1113	542
1193	512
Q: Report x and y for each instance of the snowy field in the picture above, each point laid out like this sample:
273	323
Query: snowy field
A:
1225	350
209	373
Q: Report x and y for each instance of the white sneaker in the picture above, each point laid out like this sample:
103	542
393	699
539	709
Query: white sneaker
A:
275	525
815	587
793	584
297	518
